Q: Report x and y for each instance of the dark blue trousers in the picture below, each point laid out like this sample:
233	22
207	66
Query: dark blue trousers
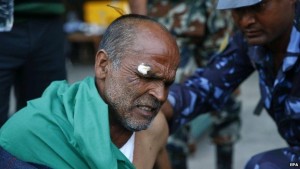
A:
8	161
31	57
284	158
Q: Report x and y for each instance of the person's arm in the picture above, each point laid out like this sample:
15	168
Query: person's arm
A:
138	6
162	160
167	110
150	145
209	88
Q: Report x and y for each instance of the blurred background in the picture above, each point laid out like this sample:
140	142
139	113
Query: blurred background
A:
85	22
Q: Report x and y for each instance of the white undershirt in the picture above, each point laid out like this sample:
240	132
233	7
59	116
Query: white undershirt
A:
128	147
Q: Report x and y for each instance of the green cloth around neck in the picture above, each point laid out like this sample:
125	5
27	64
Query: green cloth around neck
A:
66	128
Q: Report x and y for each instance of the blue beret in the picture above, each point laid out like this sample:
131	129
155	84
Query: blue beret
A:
230	4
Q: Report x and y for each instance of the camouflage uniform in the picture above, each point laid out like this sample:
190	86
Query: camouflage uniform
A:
198	27
200	30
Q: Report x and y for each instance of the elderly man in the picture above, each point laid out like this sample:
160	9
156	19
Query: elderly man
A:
269	42
89	123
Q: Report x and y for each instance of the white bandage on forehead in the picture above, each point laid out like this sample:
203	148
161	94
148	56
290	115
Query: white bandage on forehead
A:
143	69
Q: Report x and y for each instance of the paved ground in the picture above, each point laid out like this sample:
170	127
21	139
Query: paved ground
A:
258	133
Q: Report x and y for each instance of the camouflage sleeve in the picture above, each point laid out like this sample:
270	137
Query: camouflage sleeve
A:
210	87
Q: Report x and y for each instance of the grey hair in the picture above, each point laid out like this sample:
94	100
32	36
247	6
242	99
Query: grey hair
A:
120	35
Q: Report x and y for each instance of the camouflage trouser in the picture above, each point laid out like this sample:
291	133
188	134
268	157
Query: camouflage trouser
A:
226	131
227	123
284	158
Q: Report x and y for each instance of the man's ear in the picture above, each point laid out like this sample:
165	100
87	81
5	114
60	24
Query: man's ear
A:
101	64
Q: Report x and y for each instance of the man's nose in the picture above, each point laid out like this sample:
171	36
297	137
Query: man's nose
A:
159	91
247	19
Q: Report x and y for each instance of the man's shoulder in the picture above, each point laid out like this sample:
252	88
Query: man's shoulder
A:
158	131
159	125
150	142
66	89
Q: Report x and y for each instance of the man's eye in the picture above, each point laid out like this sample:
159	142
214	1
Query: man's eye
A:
145	78
261	6
168	83
148	79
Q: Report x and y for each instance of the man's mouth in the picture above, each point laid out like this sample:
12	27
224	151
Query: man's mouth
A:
252	33
146	108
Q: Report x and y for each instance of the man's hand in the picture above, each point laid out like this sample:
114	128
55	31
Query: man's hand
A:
167	110
138	7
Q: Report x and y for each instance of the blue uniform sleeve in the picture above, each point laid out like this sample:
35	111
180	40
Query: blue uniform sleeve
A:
210	87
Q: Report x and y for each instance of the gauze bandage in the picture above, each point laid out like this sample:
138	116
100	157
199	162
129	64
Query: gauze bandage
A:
143	69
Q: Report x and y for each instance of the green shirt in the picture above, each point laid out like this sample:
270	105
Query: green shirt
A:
67	127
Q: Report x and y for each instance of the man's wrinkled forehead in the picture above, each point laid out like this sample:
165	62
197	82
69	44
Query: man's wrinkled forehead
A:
149	63
231	4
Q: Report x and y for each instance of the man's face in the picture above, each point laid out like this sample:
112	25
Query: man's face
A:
265	22
137	89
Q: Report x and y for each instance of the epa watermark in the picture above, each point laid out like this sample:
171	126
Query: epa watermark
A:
294	165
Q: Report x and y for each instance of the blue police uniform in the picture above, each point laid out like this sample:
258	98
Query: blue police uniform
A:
210	87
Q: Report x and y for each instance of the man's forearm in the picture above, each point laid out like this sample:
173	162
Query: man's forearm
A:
138	6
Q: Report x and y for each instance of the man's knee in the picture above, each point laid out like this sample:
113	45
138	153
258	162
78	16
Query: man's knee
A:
275	159
253	163
256	162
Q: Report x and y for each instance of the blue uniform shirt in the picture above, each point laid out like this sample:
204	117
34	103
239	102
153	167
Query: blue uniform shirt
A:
210	87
